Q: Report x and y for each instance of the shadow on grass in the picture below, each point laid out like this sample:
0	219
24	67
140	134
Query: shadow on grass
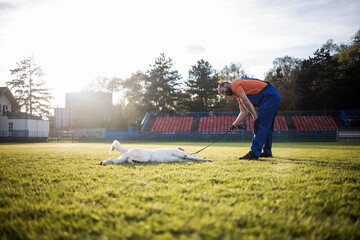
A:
254	160
148	164
322	163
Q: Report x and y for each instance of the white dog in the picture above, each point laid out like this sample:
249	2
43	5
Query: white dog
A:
146	155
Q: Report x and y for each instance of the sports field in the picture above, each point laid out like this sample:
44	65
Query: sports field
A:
56	191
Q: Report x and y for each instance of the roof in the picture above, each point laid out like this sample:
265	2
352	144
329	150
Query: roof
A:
15	107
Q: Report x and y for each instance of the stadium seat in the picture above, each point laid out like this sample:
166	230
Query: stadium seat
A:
155	124
172	124
311	123
222	123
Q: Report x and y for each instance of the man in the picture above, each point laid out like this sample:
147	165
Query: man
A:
253	93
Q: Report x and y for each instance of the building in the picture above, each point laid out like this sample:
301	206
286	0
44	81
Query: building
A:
83	110
14	123
62	118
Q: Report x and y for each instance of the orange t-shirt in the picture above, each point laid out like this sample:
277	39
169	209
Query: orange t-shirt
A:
250	86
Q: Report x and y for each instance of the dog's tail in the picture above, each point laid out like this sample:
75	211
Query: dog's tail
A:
116	145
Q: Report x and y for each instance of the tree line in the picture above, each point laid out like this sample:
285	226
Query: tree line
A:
328	80
161	90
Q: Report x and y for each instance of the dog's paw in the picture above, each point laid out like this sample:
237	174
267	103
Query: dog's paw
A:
129	160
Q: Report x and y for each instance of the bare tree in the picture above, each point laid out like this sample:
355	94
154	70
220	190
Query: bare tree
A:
29	88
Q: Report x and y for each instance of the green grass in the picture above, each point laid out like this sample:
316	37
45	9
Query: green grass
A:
56	191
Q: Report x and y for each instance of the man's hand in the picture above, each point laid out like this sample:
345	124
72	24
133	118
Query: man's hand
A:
255	117
233	127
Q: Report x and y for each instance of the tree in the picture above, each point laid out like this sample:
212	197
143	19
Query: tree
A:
283	76
201	87
228	74
133	88
162	86
232	72
349	67
283	70
29	88
133	103
317	82
104	84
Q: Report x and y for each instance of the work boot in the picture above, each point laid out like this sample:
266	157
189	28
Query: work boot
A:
266	155
250	156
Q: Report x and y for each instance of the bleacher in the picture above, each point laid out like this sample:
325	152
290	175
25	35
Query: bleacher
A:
209	123
213	123
222	123
162	124
289	126
203	126
249	123
279	124
310	123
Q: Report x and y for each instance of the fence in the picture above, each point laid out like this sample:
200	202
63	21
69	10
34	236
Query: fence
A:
286	129
197	136
23	136
236	136
350	117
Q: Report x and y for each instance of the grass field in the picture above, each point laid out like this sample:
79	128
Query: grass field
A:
56	191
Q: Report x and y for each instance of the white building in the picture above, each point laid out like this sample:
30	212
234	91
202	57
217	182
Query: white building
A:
13	123
62	118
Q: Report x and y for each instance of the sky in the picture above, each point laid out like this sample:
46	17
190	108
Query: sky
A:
77	41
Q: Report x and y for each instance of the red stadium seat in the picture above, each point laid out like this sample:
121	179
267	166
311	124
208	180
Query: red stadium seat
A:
155	124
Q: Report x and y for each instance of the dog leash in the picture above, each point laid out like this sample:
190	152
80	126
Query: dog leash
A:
215	141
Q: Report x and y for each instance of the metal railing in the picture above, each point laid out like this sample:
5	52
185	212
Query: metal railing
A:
345	118
197	136
133	135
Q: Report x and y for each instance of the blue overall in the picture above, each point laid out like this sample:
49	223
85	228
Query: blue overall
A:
268	101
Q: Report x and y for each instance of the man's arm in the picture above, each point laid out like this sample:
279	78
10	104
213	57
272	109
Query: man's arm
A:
245	107
242	115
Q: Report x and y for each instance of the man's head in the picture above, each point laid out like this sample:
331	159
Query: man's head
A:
224	89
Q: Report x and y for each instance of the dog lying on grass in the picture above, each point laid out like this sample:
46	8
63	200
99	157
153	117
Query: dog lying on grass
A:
159	155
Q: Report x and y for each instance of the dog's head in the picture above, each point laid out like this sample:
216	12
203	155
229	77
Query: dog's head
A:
181	149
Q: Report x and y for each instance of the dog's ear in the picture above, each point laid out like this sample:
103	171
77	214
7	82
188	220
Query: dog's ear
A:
181	149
